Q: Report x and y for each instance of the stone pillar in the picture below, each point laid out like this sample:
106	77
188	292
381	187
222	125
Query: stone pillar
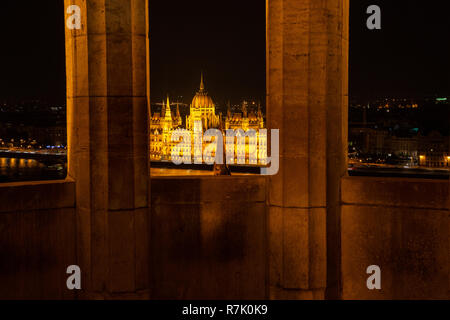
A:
307	70
107	104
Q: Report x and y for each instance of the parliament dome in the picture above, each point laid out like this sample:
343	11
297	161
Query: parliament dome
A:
202	99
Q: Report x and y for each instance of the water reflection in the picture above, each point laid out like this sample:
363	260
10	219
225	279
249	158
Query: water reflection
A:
13	170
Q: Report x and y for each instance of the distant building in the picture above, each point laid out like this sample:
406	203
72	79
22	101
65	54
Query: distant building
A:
161	128
434	151
244	120
246	149
406	147
425	151
202	109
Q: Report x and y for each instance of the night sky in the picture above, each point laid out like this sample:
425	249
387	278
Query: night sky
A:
409	56
32	62
226	40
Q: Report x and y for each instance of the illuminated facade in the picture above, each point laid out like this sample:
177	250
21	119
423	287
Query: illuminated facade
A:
434	151
203	110
244	147
247	139
162	126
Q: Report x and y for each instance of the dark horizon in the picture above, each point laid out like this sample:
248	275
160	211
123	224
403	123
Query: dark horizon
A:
32	59
408	57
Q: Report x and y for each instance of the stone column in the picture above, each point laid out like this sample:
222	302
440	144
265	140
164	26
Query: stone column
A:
307	68
107	104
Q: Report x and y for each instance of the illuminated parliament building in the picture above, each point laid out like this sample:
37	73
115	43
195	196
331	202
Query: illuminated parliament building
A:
247	149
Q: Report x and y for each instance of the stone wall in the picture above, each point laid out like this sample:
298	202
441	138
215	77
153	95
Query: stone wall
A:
107	128
307	92
37	240
401	225
208	238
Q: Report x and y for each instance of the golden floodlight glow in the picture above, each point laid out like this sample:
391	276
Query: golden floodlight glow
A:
201	118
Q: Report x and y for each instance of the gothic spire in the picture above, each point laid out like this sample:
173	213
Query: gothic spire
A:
168	112
202	85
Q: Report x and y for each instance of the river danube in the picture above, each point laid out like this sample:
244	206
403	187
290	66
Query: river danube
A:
15	170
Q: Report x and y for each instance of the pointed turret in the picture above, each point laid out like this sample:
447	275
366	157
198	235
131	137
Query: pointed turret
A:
178	110
168	112
260	116
178	118
202	84
244	109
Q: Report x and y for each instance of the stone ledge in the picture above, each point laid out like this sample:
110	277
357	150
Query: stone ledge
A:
396	192
41	195
197	189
